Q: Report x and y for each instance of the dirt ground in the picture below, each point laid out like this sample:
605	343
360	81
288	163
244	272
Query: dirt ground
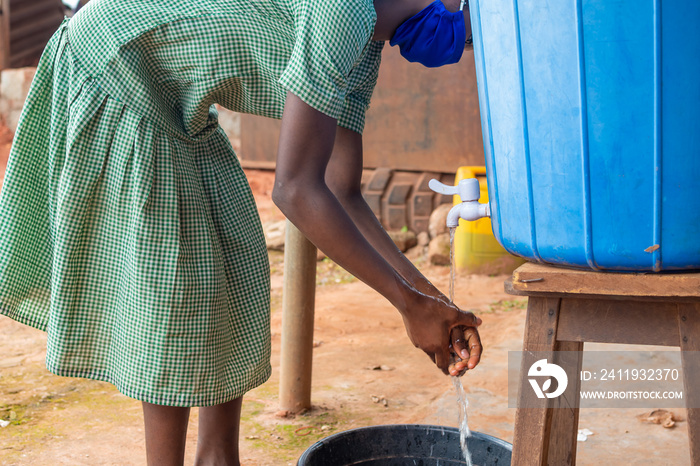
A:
57	420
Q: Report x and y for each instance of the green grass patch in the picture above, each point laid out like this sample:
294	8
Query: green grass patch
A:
286	440
330	273
507	305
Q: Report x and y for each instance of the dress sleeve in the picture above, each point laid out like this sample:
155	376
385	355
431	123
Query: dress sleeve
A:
331	37
361	84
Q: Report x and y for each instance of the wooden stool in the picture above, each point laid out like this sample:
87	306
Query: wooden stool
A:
569	307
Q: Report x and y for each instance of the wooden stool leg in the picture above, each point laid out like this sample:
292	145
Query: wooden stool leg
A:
532	425
689	329
564	423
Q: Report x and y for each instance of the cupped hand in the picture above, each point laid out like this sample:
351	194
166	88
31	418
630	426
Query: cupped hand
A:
429	322
466	347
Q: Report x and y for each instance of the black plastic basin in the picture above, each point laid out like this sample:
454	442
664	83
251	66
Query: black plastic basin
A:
405	445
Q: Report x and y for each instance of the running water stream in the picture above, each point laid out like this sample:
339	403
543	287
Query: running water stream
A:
462	401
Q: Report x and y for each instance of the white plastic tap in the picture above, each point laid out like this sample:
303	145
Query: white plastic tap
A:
470	208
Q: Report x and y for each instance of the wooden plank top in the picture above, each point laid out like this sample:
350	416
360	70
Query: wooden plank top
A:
539	279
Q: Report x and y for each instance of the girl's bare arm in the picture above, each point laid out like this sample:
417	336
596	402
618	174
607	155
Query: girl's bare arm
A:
306	143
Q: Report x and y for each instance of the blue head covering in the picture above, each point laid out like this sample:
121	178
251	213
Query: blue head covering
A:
433	37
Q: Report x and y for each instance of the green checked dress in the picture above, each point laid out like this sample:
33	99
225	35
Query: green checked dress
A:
128	231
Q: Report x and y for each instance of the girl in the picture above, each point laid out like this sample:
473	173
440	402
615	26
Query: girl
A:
129	232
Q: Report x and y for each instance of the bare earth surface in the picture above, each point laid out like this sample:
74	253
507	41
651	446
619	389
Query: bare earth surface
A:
57	420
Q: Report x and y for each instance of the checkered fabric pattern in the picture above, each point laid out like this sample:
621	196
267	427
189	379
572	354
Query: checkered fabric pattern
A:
129	232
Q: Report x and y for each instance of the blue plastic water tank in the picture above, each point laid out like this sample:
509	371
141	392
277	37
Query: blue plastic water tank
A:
590	114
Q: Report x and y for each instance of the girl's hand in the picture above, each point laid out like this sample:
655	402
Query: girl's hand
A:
429	322
466	346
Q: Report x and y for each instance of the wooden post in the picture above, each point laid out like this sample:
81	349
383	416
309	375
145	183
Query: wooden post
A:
297	321
689	341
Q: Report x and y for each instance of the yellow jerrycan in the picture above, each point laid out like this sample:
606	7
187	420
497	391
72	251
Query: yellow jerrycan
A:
476	249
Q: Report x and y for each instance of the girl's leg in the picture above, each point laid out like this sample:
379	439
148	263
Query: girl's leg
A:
217	443
166	431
